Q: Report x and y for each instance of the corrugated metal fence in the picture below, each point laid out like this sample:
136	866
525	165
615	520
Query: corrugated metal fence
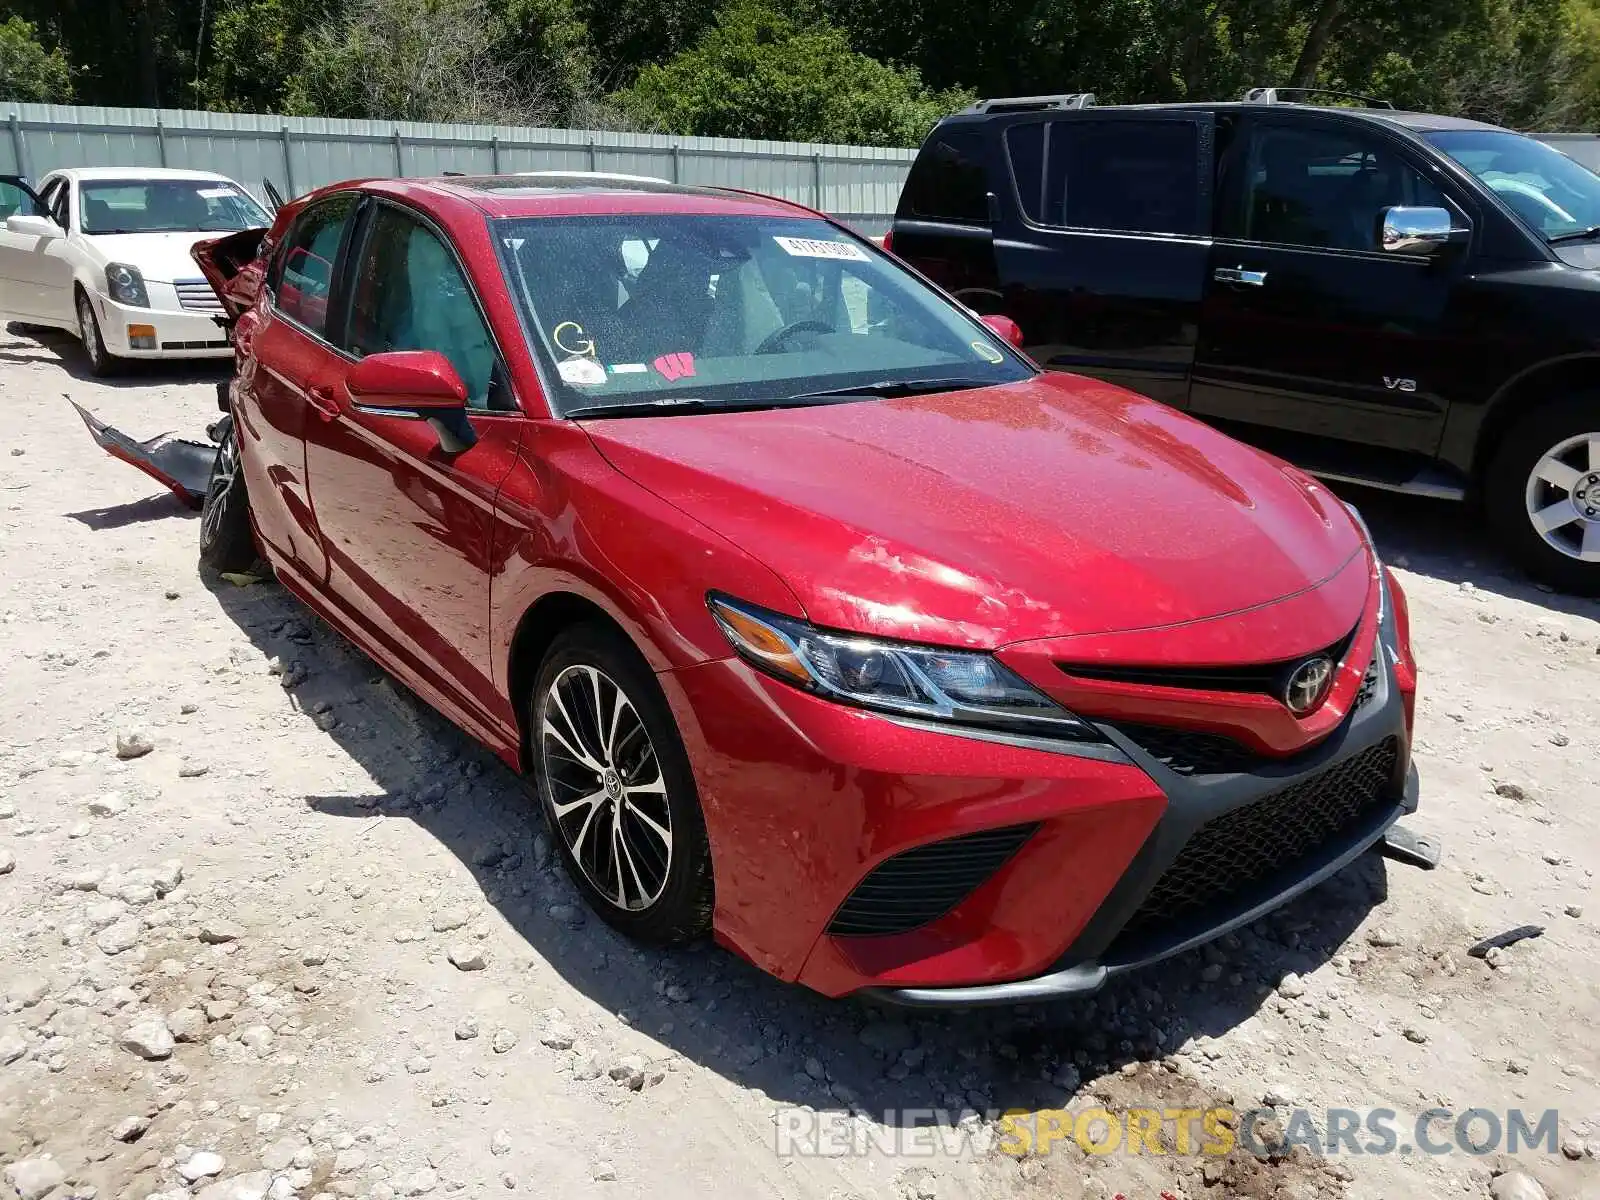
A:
858	184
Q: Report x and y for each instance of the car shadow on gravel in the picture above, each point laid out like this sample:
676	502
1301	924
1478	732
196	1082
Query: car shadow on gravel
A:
712	1008
1448	540
150	508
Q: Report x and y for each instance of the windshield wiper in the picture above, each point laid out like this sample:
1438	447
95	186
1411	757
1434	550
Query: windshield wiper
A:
666	405
890	388
1577	235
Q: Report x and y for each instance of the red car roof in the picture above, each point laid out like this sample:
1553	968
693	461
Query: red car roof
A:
574	194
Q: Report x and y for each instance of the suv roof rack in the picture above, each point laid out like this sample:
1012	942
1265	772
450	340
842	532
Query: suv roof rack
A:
1033	103
1277	95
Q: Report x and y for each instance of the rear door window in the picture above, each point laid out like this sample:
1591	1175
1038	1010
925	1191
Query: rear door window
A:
305	265
948	181
1126	176
1025	152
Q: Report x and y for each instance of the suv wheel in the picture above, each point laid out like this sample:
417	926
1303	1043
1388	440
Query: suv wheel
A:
226	542
1543	493
616	789
101	361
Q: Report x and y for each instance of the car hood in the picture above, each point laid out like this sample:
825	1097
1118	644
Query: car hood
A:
161	257
1047	508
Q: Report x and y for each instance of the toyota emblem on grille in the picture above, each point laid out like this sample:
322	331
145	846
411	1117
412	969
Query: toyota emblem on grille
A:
1308	684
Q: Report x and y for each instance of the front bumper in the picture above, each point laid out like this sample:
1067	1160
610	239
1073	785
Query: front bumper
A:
179	332
806	801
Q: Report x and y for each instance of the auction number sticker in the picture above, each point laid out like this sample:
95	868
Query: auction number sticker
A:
822	248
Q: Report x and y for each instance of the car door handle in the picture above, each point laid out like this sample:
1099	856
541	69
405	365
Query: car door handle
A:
321	399
1239	275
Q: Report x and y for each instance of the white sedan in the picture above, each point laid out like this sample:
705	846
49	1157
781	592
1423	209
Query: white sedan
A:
104	252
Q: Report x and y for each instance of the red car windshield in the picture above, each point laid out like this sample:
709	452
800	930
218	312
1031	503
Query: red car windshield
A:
648	310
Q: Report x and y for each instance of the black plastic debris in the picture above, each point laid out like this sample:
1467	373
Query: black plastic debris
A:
180	465
1501	940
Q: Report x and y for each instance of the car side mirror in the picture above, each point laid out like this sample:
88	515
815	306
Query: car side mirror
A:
1409	230
416	384
1004	326
31	226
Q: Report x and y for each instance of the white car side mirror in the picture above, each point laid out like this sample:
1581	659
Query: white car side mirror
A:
30	226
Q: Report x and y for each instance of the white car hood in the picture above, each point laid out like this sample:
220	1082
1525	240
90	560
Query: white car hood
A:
161	257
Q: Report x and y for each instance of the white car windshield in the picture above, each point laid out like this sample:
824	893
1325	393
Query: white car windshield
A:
167	206
1555	194
656	311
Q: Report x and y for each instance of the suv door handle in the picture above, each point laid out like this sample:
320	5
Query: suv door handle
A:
321	399
1239	275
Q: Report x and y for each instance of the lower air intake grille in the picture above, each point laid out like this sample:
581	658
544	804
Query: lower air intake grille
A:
919	886
1191	751
1249	844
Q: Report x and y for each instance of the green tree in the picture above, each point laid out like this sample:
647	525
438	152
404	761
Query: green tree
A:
27	70
255	46
759	73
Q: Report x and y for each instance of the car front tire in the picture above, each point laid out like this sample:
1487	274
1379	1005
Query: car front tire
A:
101	361
226	542
615	786
1543	493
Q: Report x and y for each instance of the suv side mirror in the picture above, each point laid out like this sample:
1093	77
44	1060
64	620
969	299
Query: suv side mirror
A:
1406	230
31	226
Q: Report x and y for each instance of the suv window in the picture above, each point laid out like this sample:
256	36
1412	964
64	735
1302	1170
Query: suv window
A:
1126	176
409	294
1025	150
948	182
305	265
1318	187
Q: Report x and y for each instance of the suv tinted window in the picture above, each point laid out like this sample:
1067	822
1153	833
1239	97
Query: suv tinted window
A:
1025	150
1318	187
409	294
304	273
1126	176
948	182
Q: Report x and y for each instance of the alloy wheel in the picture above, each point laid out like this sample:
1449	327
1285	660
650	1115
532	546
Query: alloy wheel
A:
606	793
217	488
89	331
1563	497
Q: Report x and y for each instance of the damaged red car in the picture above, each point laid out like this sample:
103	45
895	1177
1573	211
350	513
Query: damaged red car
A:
821	619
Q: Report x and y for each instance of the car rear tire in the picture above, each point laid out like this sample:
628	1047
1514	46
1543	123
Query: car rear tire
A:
615	786
1542	492
226	542
101	361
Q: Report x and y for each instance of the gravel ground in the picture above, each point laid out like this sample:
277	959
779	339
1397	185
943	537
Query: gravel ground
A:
270	928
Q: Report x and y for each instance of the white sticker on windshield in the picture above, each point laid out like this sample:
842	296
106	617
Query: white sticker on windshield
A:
822	248
629	368
217	193
581	372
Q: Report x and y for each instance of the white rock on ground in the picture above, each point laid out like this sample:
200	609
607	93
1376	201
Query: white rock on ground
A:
35	1178
149	1039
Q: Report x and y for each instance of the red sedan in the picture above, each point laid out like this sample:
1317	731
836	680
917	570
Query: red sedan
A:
820	619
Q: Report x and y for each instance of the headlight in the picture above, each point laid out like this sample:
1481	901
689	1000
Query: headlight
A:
927	682
126	285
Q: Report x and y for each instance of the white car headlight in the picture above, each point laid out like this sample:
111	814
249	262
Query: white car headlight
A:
928	682
125	285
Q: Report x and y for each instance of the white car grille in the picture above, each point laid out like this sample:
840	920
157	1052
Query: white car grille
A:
197	294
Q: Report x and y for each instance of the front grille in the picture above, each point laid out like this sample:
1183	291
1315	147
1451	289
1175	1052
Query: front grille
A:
1249	844
198	295
1266	679
1192	751
919	886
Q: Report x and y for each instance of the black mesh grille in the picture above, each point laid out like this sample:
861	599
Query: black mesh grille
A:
921	885
1192	751
1249	844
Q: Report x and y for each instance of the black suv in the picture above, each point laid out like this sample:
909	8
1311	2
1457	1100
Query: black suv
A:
1382	297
